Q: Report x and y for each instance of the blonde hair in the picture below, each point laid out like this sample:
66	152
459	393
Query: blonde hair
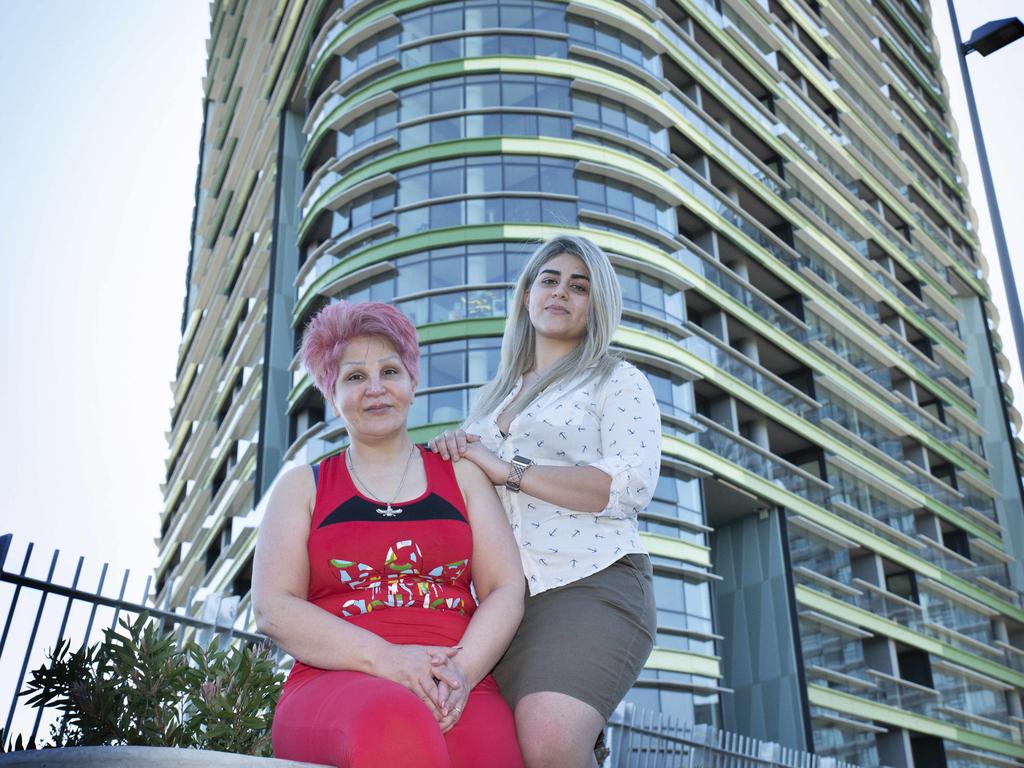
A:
518	346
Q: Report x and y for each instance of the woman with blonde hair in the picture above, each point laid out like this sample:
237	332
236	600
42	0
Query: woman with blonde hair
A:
570	436
363	572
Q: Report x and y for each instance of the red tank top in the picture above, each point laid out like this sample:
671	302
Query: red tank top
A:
405	577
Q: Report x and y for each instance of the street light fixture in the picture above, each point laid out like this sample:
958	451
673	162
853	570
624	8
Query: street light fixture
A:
987	39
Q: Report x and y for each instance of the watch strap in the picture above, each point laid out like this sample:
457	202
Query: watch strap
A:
515	473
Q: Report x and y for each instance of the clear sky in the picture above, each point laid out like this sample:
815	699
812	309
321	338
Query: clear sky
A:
100	132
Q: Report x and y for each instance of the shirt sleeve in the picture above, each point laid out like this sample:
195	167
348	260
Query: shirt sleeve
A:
630	440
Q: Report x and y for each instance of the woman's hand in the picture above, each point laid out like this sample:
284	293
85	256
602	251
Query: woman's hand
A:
452	700
421	669
452	445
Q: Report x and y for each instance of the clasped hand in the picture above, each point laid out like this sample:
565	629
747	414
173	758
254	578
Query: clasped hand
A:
432	674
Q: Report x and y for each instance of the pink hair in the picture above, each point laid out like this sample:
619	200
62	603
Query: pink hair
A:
330	331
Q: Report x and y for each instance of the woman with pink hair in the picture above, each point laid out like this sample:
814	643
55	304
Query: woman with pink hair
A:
363	572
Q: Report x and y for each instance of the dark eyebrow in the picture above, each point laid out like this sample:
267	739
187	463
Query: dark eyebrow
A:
556	272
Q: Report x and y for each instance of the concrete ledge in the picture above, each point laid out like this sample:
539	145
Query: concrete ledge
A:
140	757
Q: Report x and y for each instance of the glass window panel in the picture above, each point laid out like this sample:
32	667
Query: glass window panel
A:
477	95
668	594
548	17
520	209
446	182
582	31
360	212
552	95
476	211
476	179
443	50
382	203
493	210
416	220
698	602
446	215
383	290
631	292
619	199
590	191
415	26
557	180
472	46
417	412
549	46
386	119
415	57
553	126
412	277
516	93
445	369
520	177
479	370
651	292
612	116
490	303
516	124
446	19
490	45
446	99
631	51
492	124
516	16
637	127
447	271
413	189
516	45
485	268
417	310
447	406
473	126
561	212
444	130
492	175
447	306
387	45
415	104
606	39
482	17
586	108
415	135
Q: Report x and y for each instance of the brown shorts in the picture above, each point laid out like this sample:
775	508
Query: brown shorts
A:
588	639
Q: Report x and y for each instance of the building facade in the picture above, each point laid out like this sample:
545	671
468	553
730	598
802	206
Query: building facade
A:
779	186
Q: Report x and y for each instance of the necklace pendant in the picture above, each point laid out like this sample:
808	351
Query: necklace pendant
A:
390	511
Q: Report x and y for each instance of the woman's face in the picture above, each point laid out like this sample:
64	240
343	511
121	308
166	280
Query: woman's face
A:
559	299
374	390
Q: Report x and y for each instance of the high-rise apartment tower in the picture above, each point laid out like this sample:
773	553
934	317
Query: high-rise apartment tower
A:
836	529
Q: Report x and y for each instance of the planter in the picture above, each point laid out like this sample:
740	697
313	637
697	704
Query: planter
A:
140	757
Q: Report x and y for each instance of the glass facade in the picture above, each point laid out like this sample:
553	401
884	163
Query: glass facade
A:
778	187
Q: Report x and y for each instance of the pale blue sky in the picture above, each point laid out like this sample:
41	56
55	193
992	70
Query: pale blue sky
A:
101	107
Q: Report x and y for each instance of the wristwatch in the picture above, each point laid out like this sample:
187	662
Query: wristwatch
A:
515	473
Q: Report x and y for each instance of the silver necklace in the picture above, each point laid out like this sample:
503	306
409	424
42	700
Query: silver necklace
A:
390	511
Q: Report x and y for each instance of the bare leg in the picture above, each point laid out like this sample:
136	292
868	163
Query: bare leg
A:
557	731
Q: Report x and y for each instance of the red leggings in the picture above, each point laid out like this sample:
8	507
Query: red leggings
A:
354	720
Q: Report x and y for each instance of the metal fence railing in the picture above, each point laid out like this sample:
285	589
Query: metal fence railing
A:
641	738
42	612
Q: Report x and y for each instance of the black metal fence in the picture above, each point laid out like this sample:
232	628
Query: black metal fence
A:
41	612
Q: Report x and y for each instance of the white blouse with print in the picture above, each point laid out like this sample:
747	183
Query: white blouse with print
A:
612	425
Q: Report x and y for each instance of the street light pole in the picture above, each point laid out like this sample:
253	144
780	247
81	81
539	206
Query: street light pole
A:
1012	297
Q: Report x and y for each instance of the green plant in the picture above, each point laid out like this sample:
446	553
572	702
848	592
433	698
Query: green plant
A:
136	687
